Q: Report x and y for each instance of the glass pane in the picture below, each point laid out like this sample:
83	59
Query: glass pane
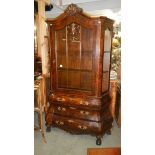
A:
73	79
74	43
86	58
105	81
73	55
107	40
86	80
74	50
62	78
86	49
106	60
60	46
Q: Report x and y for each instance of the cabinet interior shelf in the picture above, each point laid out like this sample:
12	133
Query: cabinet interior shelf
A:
72	69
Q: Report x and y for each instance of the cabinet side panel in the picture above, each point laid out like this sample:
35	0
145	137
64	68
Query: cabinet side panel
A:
106	60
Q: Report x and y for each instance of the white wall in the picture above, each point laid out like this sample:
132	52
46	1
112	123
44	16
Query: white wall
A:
109	8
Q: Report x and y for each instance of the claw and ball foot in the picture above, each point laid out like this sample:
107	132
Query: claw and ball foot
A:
48	129
98	141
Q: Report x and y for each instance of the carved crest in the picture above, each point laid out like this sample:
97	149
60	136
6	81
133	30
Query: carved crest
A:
72	9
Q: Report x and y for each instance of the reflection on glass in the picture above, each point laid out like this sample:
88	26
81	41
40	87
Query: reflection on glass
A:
106	60
35	37
74	57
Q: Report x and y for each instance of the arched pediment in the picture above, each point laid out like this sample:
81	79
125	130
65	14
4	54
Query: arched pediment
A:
72	13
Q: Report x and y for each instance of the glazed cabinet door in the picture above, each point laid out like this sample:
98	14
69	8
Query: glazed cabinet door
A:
74	57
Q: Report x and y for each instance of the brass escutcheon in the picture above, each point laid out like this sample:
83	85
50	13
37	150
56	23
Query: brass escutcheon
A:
59	122
84	102
60	99
82	127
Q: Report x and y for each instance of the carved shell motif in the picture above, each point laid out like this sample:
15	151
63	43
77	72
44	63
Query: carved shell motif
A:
72	9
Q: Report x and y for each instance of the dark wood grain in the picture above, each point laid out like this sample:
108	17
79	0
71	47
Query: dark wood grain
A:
80	69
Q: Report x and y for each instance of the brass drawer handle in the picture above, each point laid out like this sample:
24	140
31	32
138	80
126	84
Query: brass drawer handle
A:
70	121
71	99
72	108
82	127
84	112
61	109
59	122
60	99
84	102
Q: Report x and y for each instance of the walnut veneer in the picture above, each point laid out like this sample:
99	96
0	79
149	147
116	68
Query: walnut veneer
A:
80	70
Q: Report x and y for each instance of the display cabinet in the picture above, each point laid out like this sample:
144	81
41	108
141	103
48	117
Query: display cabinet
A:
80	70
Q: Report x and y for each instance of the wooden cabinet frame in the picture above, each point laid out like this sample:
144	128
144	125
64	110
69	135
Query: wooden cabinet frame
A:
92	38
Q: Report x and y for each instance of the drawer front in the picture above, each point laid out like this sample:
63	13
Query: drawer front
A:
76	125
85	103
77	113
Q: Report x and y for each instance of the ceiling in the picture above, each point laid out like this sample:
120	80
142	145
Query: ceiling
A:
109	8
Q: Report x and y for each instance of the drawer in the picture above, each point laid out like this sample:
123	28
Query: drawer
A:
76	125
77	113
80	101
